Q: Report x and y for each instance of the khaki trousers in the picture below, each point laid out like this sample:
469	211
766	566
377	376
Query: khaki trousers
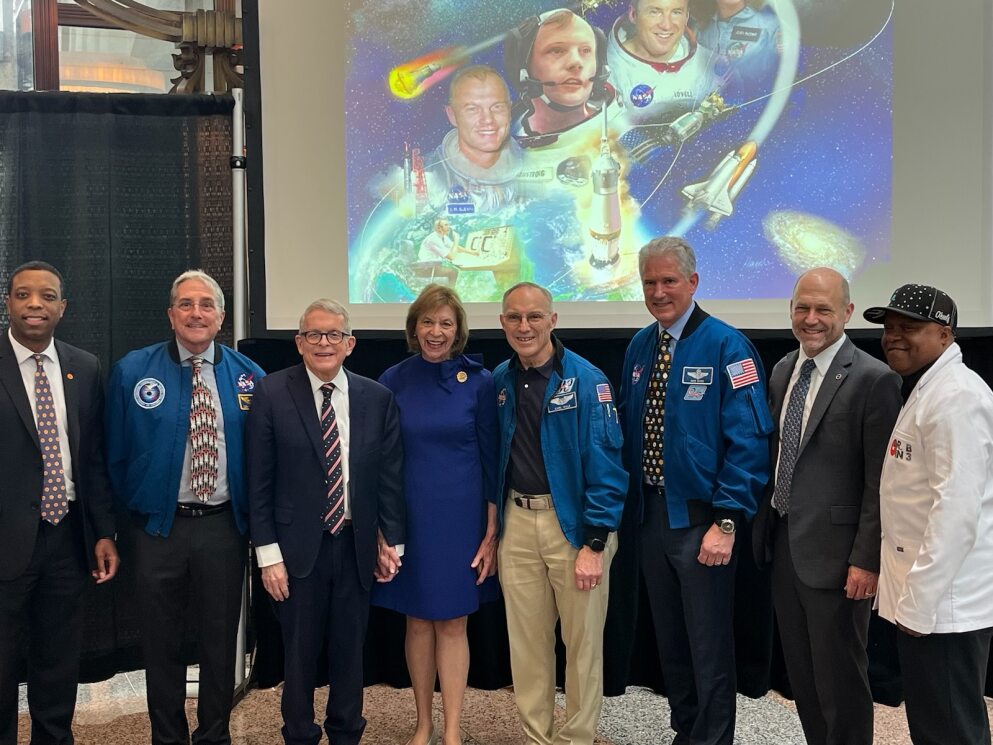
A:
537	573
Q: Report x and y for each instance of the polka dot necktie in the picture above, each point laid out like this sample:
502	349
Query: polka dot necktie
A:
651	458
54	499
334	512
789	443
203	436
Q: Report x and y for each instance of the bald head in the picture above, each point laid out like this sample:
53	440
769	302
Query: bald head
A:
825	277
820	308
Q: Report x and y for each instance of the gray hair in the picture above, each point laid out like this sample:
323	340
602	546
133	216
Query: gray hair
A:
519	285
329	306
201	275
669	245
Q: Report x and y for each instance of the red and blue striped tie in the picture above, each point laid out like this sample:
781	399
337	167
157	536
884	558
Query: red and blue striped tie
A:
334	512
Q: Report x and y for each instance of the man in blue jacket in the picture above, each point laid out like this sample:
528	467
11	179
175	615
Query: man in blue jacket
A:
696	428
175	423
562	487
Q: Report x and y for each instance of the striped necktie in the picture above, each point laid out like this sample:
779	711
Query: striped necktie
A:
334	511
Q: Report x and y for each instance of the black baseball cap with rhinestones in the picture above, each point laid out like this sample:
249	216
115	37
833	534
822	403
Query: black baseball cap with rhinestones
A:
923	302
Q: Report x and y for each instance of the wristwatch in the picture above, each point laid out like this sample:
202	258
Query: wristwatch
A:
597	545
727	526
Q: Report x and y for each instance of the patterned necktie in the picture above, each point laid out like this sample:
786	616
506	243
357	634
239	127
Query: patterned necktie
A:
54	500
334	511
651	459
789	443
203	436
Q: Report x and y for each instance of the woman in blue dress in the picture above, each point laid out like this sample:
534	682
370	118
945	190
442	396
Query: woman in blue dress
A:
448	423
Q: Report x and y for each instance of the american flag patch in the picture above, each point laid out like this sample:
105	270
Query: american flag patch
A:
742	373
603	394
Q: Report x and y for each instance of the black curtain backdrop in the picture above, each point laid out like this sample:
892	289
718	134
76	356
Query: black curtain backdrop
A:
630	653
122	193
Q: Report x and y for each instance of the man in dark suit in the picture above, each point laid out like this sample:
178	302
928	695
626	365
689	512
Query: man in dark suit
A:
326	516
834	407
55	504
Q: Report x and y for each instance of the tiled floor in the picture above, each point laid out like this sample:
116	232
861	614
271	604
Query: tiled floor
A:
113	713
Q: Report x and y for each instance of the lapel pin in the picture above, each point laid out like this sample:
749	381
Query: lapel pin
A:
838	376
461	376
69	376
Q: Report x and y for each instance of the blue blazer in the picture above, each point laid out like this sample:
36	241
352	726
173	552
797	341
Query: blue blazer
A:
285	456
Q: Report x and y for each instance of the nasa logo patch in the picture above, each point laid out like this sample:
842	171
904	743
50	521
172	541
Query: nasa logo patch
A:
149	393
737	50
459	201
642	95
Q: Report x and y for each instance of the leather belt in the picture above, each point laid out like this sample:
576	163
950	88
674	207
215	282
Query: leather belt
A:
532	501
184	509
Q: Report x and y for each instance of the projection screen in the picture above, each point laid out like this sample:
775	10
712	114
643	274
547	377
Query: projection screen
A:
847	133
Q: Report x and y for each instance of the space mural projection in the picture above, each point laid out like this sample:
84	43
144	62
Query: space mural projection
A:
495	141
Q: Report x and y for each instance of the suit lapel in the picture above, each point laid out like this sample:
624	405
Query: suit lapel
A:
779	384
303	399
833	379
356	414
70	385
10	378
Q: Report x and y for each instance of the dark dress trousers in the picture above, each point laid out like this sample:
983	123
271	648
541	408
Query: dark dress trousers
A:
44	568
330	577
833	522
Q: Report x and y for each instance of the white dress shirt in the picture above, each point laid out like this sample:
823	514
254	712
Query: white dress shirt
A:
53	369
821	364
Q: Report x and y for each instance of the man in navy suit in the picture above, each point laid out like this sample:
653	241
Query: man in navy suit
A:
326	515
55	504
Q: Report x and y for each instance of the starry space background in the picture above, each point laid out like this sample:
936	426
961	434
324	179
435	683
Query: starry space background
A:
829	155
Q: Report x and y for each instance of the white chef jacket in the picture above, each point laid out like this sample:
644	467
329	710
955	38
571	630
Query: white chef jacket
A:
936	504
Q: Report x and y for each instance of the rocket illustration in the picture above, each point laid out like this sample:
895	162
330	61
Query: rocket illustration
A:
718	193
605	223
406	165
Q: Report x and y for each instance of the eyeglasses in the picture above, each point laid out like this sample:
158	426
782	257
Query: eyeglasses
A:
314	337
514	319
207	306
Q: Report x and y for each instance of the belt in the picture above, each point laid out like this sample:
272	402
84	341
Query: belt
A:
532	501
184	509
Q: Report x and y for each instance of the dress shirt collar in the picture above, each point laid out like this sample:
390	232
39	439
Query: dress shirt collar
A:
184	354
676	329
340	381
826	356
22	353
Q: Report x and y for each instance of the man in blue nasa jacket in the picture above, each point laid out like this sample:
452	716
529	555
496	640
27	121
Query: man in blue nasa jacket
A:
696	426
190	510
562	487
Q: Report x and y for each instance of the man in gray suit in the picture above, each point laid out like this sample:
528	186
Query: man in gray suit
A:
834	407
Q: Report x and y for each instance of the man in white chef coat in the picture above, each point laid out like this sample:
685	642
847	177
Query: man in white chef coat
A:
936	509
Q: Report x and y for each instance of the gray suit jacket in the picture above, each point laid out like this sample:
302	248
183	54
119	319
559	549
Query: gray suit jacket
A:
834	503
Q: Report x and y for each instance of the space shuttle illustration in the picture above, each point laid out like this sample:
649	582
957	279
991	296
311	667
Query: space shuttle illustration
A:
720	190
